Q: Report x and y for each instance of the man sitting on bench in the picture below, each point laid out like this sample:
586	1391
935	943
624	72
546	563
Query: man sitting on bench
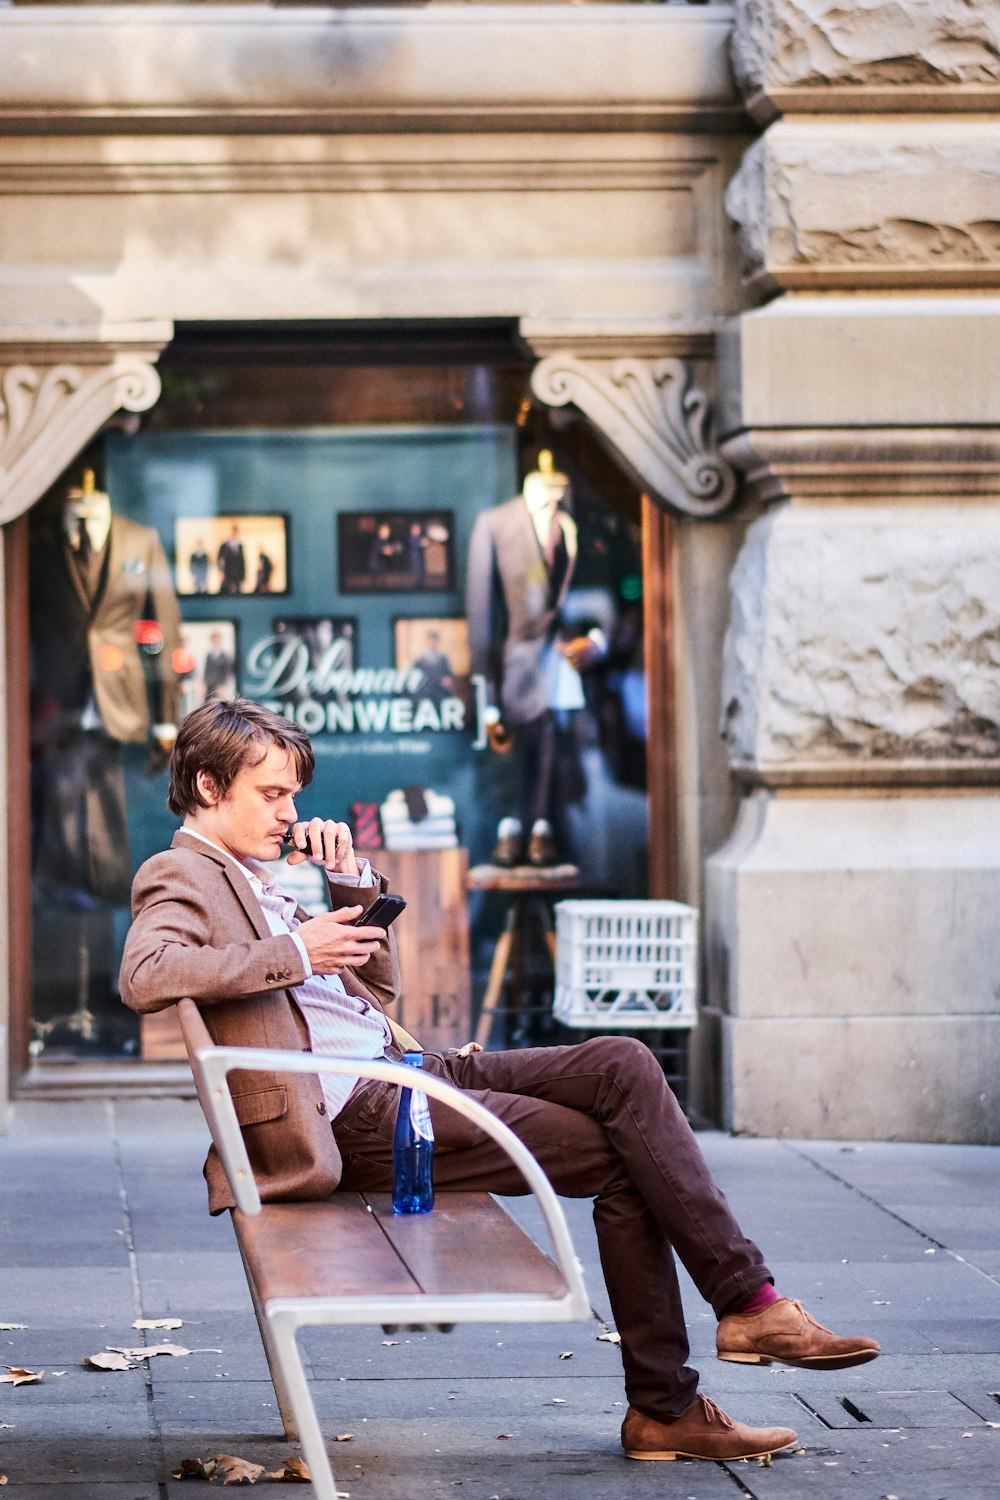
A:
599	1115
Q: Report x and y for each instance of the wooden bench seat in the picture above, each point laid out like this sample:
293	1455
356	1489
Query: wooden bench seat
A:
469	1246
349	1259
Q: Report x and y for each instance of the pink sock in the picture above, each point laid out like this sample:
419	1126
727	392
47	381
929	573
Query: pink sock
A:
762	1298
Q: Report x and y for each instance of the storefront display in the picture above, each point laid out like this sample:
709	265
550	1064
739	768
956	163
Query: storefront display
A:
339	575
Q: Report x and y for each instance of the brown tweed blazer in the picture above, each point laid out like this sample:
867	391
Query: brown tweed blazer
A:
198	930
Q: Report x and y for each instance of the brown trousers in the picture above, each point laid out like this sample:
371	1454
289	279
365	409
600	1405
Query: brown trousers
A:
603	1122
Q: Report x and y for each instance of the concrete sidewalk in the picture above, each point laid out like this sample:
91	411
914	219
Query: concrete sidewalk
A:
104	1221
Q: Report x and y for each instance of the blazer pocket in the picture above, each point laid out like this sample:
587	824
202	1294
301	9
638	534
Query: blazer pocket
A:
266	1104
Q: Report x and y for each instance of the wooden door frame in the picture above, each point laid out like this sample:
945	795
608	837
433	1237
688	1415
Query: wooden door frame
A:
16	751
661	733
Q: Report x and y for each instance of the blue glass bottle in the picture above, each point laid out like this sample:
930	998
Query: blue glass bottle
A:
412	1149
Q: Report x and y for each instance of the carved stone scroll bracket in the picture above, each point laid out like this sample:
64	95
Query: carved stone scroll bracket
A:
654	420
54	396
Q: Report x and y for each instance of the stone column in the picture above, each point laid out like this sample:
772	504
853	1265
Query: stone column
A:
854	947
58	386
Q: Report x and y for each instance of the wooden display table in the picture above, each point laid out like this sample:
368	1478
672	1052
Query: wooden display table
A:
433	939
531	890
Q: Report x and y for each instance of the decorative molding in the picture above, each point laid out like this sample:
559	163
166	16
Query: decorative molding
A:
388	169
653	418
878	463
622	337
53	398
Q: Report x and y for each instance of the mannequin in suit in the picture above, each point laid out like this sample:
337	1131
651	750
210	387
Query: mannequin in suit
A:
93	577
522	557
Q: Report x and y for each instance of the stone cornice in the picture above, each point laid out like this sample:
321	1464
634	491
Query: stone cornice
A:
865	465
70	69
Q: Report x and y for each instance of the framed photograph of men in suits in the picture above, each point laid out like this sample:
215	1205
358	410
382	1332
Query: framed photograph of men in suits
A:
438	648
207	662
402	551
231	554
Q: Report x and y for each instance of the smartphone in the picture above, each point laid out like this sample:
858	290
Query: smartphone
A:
383	911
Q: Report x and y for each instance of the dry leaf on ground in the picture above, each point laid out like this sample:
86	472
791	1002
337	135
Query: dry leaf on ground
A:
609	1338
566	1354
111	1361
10	1327
146	1351
158	1323
344	1437
194	1468
294	1472
3	1479
237	1470
20	1377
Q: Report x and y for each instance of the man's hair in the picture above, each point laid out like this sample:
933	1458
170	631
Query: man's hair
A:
222	738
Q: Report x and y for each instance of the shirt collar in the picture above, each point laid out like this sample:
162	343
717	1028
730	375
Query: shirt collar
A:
251	870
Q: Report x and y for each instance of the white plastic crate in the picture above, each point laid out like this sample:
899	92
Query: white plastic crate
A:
626	964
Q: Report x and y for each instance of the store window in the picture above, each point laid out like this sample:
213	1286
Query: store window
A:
345	530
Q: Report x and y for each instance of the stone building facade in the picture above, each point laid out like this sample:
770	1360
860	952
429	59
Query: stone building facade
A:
757	246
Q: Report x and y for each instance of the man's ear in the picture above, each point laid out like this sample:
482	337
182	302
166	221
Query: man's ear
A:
207	789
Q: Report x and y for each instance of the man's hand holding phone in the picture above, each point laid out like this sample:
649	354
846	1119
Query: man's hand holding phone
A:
349	936
334	941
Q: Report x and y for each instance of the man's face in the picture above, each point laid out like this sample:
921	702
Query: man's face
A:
251	818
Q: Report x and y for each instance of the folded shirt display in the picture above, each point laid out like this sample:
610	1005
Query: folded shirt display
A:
418	819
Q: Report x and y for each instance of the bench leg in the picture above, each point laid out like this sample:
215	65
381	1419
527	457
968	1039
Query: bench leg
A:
289	1360
273	1362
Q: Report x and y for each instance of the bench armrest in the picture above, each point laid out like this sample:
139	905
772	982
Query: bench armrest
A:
211	1066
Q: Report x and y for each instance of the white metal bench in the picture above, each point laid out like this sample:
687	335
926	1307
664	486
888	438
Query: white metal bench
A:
349	1259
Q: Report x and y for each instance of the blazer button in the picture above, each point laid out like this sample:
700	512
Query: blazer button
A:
321	1108
286	973
270	978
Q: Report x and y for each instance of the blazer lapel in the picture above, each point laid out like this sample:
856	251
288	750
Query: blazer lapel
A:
239	883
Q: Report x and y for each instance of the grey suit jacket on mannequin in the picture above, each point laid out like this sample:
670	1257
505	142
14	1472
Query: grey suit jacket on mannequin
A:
505	555
198	930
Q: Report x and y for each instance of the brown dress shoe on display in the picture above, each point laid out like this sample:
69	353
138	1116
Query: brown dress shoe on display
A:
542	850
704	1431
784	1332
509	849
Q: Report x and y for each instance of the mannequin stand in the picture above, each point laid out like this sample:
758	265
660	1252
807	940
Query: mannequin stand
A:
529	912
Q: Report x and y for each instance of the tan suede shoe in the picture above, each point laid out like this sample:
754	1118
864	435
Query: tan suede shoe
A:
784	1332
702	1432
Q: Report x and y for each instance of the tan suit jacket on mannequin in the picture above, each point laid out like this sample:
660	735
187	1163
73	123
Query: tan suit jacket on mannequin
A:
137	569
198	930
71	632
